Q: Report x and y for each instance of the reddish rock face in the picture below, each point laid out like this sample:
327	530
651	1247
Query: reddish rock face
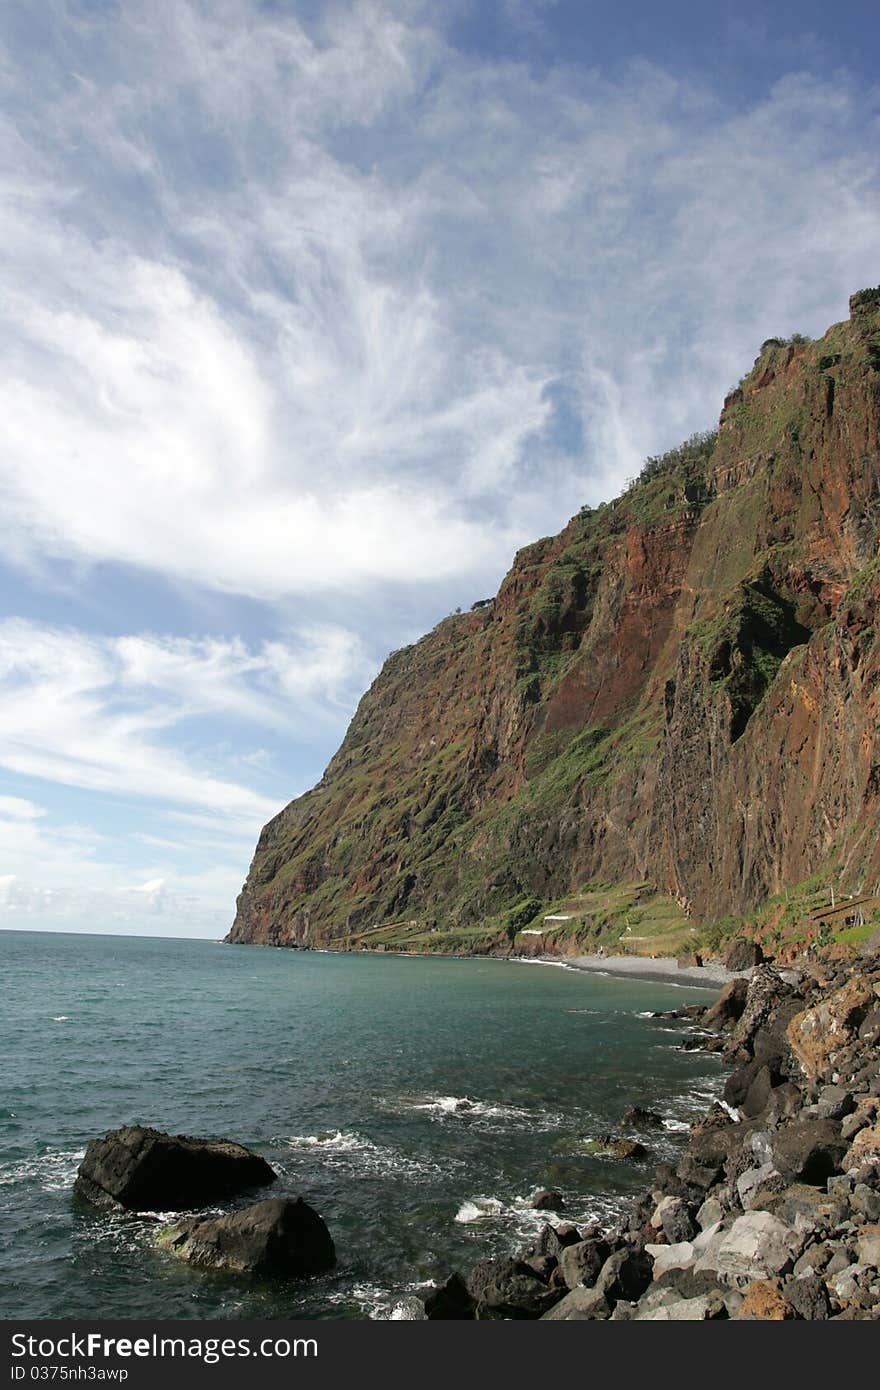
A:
682	687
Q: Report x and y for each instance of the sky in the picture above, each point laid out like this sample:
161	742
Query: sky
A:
312	313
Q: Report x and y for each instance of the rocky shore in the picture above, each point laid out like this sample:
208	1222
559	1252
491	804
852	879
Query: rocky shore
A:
772	1211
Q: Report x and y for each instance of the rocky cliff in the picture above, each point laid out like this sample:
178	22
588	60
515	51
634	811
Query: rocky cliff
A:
677	695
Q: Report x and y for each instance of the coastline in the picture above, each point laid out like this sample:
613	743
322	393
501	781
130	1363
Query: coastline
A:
660	969
771	1211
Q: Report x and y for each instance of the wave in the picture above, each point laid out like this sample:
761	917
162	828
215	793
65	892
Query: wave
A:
518	1221
381	1304
479	1112
52	1171
349	1150
476	1208
554	964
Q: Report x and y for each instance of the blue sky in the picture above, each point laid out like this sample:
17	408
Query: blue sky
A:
312	313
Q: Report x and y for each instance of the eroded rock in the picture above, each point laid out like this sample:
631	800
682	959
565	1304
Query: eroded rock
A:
144	1169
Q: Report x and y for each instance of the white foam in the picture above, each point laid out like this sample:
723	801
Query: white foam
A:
54	1170
340	1149
482	1113
477	1209
448	1105
330	1140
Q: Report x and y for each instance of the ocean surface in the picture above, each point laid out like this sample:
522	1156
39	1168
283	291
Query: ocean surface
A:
416	1103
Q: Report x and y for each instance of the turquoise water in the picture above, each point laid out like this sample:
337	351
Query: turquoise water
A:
348	1073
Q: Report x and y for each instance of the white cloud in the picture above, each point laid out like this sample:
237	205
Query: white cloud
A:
325	345
17	808
104	713
192	909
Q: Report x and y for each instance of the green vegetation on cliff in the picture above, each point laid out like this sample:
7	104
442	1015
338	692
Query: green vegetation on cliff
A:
671	699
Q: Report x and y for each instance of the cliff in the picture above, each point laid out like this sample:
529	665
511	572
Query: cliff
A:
667	714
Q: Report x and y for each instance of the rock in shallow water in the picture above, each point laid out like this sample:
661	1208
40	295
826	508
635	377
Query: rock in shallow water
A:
144	1169
281	1237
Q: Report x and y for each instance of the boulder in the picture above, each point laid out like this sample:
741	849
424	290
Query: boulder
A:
582	1263
616	1147
728	1007
710	1213
809	1150
808	1297
869	1246
639	1118
666	1257
144	1169
625	1274
817	1033
450	1302
743	954
757	1245
757	1097
677	1222
281	1237
751	1181
766	991
546	1199
508	1288
865	1146
699	1309
765	1300
835	1103
581	1305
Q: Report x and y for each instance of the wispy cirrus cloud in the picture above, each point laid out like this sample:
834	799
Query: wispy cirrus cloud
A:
304	308
106	714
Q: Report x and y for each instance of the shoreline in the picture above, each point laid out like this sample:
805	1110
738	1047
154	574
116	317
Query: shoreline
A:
659	969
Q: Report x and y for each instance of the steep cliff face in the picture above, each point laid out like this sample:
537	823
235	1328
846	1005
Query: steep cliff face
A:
679	688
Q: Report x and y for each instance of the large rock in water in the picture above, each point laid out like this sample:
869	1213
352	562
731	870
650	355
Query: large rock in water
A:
281	1237
145	1170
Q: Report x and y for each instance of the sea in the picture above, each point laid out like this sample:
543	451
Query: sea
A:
415	1102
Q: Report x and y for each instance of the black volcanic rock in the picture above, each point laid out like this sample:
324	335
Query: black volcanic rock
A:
281	1237
144	1169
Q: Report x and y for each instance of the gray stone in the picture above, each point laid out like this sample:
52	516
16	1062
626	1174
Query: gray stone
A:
751	1180
666	1257
711	1305
845	1282
866	1201
581	1305
835	1102
625	1274
710	1213
582	1263
841	1259
808	1297
852	1124
869	1247
280	1237
677	1222
757	1246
